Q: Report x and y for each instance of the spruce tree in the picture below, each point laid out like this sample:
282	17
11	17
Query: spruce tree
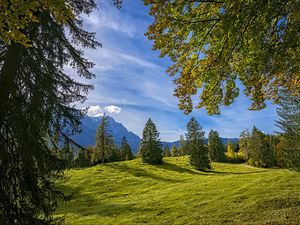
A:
195	142
215	147
151	151
125	150
289	123
36	100
166	151
183	150
174	151
104	149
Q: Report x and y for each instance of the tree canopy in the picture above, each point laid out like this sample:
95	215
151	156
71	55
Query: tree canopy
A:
213	44
17	15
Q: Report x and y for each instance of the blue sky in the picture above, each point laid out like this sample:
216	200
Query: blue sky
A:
131	83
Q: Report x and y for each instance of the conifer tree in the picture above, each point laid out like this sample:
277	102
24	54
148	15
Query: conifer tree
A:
151	151
174	151
125	150
215	147
261	154
104	149
183	150
195	142
84	157
289	123
36	100
166	151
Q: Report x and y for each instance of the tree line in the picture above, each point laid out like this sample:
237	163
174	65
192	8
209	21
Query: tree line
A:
254	147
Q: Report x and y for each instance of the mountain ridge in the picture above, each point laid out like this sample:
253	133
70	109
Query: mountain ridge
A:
89	128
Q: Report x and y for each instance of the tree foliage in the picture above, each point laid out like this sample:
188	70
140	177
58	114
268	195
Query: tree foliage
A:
150	150
17	15
104	149
261	149
289	123
215	43
183	150
166	151
125	150
215	147
36	98
174	151
195	142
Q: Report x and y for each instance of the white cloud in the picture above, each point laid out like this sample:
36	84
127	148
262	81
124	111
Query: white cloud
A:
113	109
95	111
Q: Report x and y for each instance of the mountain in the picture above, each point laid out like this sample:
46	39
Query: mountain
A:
89	128
118	131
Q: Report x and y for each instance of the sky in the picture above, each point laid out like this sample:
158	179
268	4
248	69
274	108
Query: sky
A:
131	84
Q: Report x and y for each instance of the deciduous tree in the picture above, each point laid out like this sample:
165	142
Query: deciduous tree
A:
213	44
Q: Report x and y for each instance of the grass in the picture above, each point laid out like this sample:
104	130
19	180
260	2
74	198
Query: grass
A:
132	192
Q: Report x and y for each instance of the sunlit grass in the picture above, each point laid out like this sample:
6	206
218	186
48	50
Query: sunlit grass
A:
173	193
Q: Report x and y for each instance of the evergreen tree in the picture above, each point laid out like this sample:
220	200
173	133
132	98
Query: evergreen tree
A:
261	154
183	150
125	150
151	151
166	151
215	147
195	142
104	150
174	151
289	123
84	157
36	100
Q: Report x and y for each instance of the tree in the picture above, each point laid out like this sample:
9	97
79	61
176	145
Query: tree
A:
289	123
104	149
16	16
195	143
125	150
151	151
215	147
231	154
84	157
213	44
262	153
244	144
174	151
183	150
166	151
37	98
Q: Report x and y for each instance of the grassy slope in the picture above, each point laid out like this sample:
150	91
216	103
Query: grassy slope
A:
135	193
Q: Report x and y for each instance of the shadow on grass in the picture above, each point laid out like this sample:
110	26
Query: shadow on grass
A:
85	204
178	169
235	173
138	172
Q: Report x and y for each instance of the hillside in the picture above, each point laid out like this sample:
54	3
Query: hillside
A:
135	193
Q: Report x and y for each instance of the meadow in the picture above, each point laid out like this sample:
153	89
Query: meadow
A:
132	192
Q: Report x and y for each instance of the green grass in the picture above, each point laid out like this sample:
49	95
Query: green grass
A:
173	193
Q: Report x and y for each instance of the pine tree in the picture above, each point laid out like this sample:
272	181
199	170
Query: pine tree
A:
166	151
36	100
174	151
151	151
289	123
125	150
215	147
195	142
104	149
183	150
